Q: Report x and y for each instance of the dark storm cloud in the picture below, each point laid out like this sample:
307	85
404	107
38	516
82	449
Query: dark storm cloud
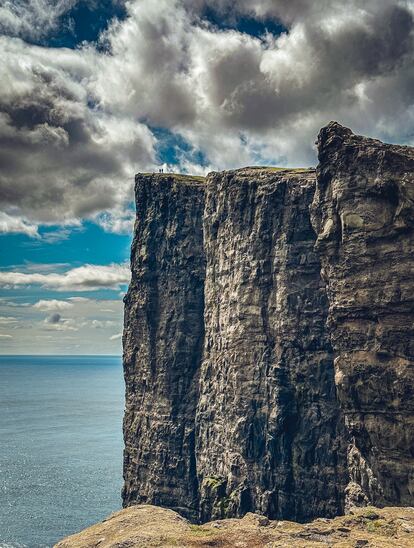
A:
75	124
54	318
59	159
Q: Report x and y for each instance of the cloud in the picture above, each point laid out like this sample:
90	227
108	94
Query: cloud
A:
5	336
115	337
90	321
57	323
42	267
121	223
7	319
13	304
240	99
83	278
75	125
11	224
34	18
61	158
100	324
53	318
56	236
52	305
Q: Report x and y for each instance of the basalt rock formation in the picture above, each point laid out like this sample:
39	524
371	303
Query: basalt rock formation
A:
163	340
268	424
268	340
363	213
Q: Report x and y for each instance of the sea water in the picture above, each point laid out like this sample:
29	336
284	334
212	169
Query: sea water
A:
60	445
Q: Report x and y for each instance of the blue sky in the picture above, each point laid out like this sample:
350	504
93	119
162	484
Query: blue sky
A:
93	92
79	321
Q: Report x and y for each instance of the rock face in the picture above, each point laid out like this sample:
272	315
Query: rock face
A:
163	339
268	422
363	212
269	362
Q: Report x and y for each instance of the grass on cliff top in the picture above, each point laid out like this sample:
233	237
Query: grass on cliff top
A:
271	168
178	176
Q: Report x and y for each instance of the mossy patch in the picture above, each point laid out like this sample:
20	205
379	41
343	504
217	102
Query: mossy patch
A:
199	531
370	513
381	527
213	482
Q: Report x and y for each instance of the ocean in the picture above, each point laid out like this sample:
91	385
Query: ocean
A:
60	446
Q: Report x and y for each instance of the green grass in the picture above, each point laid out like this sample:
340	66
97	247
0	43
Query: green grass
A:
199	531
179	176
271	168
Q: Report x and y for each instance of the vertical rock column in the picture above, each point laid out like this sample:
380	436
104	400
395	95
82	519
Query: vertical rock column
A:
163	339
268	424
363	212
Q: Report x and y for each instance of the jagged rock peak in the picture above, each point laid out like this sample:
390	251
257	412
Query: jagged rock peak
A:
363	213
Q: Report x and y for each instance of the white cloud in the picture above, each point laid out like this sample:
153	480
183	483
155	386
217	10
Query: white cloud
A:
101	324
5	336
7	320
75	125
55	322
90	322
11	224
83	278
32	18
50	305
117	222
115	337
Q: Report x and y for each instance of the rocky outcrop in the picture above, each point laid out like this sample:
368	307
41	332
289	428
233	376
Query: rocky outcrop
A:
163	338
148	526
268	422
363	212
268	360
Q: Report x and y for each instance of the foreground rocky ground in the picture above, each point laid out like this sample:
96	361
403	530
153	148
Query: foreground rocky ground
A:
150	526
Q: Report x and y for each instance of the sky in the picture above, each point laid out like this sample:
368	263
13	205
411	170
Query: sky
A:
94	91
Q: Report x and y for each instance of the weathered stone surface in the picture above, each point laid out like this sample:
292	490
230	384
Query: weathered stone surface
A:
268	435
163	338
363	212
269	364
148	526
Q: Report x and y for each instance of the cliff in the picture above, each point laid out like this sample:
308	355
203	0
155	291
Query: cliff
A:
363	213
163	338
268	342
268	423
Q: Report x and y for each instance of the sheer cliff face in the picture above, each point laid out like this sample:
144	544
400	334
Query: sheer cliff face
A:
163	338
363	212
268	363
267	419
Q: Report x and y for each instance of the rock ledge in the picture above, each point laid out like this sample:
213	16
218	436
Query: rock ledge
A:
151	526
